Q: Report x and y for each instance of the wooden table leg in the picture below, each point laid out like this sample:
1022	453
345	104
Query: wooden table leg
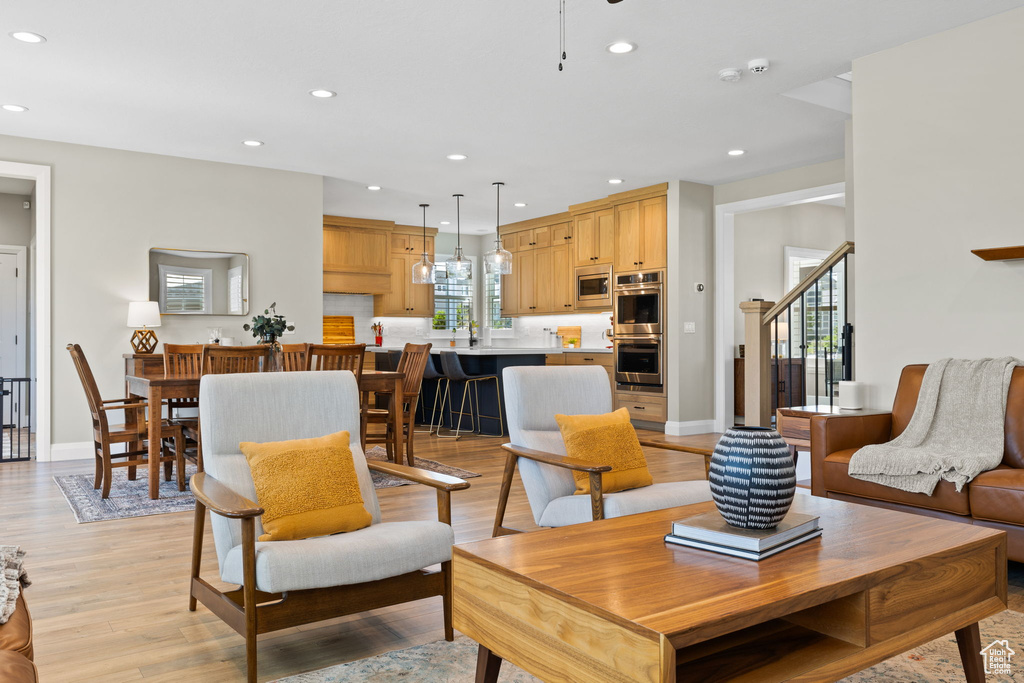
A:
155	430
968	641
487	666
396	419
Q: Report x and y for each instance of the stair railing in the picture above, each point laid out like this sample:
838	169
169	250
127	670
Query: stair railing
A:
807	329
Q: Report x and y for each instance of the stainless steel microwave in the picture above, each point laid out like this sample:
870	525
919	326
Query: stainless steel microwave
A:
594	287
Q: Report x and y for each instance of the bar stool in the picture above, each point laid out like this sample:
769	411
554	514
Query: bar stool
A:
453	372
430	372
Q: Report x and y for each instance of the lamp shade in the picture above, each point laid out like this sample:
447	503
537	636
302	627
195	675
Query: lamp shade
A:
143	314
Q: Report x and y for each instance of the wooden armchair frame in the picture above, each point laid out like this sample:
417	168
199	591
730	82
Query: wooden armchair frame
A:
251	612
512	460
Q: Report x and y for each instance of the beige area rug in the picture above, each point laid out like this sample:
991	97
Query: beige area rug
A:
131	498
444	662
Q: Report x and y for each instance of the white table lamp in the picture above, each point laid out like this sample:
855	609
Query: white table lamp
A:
144	314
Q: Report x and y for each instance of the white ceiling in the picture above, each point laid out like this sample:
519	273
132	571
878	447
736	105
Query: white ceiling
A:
419	80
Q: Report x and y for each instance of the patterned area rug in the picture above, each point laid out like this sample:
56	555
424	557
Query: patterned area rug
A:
386	481
131	498
127	498
444	662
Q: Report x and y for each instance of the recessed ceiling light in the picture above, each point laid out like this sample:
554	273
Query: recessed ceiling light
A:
520	204
621	47
28	37
446	222
323	94
457	157
615	181
252	143
373	188
14	107
737	152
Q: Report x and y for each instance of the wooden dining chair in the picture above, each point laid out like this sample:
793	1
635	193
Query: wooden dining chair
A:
293	357
132	433
185	360
412	364
337	357
227	360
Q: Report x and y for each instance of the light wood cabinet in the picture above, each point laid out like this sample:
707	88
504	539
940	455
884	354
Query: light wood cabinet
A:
406	299
594	237
524	271
562	299
605	360
561	234
643	407
641	229
537	238
358	257
543	277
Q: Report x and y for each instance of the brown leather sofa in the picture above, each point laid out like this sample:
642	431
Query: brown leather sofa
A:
16	647
993	499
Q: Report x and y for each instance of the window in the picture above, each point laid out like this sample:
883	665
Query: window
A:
492	298
235	301
452	297
185	290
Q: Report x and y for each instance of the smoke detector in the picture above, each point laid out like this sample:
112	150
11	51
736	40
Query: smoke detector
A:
758	66
729	75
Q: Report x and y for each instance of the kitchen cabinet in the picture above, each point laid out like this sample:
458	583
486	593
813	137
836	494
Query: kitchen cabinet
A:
562	299
605	360
358	257
537	238
594	237
405	298
524	271
641	235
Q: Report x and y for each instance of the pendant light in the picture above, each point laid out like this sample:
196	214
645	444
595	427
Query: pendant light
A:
458	265
423	272
498	260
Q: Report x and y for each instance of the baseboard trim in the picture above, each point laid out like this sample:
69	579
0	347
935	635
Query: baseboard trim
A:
78	450
689	428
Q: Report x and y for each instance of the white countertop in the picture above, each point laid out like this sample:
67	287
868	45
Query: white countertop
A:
463	350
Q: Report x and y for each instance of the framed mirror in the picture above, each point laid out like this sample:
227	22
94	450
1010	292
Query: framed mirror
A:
190	282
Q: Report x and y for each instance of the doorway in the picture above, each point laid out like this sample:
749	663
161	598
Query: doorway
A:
30	353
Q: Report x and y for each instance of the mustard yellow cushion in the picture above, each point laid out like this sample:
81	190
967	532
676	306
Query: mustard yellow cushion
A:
605	440
306	487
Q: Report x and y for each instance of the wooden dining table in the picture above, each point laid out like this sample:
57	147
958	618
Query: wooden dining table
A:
156	388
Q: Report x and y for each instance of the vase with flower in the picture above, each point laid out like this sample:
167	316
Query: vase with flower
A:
266	329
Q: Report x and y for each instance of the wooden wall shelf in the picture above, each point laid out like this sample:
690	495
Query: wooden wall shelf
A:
1000	253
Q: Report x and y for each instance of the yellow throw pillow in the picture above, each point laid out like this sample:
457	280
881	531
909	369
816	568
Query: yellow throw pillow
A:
306	487
605	440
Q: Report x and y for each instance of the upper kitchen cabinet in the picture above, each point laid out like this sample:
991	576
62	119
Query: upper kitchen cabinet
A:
405	298
641	234
594	237
359	256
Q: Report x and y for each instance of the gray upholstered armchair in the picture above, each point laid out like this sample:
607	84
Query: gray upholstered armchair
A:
287	583
533	395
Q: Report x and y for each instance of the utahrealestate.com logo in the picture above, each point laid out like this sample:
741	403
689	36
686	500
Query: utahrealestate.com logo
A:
997	657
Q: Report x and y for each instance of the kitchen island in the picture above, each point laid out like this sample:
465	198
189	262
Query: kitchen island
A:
478	361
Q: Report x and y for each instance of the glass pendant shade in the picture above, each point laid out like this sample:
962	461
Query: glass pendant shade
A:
423	270
457	265
499	259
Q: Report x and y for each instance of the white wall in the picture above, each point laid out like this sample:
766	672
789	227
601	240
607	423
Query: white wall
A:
109	207
938	143
804	177
15	220
760	240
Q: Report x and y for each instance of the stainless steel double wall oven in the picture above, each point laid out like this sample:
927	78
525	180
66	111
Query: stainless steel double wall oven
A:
639	312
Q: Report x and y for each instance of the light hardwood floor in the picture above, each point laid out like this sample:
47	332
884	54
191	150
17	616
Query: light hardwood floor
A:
109	599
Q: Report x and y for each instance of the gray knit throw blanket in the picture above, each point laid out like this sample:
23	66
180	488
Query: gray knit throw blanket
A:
956	432
12	579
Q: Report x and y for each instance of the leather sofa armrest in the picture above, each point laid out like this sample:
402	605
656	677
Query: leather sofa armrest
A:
831	433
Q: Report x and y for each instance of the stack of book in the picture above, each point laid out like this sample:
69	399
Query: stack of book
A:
710	531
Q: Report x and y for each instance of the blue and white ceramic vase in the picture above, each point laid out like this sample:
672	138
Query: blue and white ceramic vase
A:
752	477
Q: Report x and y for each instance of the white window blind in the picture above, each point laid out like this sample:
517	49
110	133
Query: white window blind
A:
493	302
185	290
235	300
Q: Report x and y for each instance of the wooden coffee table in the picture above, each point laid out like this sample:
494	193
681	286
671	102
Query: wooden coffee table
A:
610	601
